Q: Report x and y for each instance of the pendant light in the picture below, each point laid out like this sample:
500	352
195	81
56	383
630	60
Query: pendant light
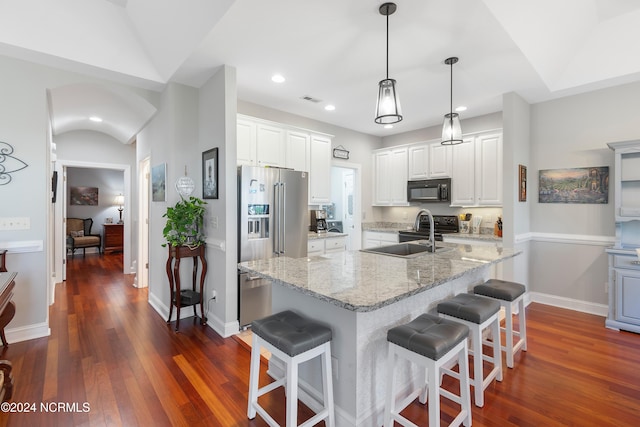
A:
388	107
451	130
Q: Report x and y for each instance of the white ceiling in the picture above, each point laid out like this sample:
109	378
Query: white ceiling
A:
333	50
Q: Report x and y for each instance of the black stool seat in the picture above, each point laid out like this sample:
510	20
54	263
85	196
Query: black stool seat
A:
471	308
500	289
428	335
290	332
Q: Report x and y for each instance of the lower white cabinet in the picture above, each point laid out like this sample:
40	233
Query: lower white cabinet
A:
326	245
624	291
372	239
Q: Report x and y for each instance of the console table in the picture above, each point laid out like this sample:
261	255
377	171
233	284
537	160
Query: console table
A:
113	237
186	297
7	307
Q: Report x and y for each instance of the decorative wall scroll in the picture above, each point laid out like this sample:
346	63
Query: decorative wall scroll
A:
577	185
8	163
340	153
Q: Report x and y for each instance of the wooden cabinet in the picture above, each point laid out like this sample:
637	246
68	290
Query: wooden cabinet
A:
624	290
390	177
477	171
113	237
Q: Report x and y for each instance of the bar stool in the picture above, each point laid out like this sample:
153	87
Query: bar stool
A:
293	339
508	293
478	313
431	342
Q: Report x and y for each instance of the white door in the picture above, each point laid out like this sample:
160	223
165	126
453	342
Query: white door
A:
348	200
142	279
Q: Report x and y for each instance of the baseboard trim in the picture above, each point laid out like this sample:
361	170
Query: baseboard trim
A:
25	333
570	303
224	329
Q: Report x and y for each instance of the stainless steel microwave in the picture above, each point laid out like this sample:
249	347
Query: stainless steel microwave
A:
429	190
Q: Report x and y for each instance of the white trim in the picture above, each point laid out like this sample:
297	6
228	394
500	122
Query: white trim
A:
570	303
574	239
225	330
29	332
23	246
216	244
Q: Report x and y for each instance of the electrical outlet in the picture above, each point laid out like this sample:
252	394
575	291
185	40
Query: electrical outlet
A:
214	294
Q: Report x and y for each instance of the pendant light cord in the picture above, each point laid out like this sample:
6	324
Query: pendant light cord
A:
387	42
451	95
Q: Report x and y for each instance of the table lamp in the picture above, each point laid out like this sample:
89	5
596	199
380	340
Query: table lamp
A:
119	201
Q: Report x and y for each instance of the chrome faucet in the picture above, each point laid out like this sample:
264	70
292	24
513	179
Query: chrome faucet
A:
416	225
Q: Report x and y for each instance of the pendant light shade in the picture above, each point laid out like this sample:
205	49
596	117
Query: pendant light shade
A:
388	106
451	129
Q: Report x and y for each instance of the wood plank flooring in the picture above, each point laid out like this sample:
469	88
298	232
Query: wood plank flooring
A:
110	350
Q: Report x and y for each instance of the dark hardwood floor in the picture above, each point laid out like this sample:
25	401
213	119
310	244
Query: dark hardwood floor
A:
110	350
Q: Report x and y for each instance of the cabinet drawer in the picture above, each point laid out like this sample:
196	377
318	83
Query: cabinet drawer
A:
335	243
622	261
316	245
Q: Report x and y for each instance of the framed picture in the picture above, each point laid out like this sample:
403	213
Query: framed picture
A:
576	185
159	183
522	180
83	196
210	174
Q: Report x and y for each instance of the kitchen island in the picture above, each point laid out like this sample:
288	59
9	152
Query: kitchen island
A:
360	296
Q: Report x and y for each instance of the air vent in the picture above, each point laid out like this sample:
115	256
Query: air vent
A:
311	99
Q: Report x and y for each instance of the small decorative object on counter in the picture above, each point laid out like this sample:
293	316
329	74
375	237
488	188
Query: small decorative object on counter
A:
497	229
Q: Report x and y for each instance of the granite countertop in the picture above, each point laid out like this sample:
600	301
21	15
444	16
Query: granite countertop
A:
313	235
472	236
361	281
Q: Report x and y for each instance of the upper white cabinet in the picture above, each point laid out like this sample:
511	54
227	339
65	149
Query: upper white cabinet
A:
320	170
440	160
270	149
297	150
264	143
418	161
390	177
246	136
477	171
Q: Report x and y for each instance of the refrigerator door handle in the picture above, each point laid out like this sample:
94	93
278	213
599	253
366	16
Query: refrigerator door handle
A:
283	216
276	218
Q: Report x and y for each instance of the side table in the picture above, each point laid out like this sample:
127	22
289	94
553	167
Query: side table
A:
186	297
7	307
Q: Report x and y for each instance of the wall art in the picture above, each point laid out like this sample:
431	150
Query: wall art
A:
522	183
575	185
83	196
159	183
210	174
8	163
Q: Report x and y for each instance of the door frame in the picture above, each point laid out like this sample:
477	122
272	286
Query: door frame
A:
144	171
355	235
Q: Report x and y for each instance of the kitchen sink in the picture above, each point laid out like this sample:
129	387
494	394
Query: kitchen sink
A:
405	250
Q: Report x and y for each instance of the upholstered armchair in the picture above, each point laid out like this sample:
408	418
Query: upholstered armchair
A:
79	235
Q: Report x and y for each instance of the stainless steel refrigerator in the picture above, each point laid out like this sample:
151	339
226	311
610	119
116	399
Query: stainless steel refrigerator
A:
273	221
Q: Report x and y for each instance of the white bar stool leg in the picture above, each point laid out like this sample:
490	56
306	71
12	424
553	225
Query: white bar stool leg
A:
254	376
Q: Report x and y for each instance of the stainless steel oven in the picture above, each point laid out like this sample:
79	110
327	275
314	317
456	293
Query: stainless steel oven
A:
429	190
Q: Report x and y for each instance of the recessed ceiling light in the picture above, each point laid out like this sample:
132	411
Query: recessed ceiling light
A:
330	107
277	78
388	126
461	108
95	119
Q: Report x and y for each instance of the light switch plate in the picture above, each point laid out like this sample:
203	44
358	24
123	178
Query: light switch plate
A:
16	223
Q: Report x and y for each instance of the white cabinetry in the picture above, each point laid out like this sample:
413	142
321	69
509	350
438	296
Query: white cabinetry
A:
270	149
390	177
265	143
624	264
372	239
246	136
418	161
320	170
439	160
477	171
326	245
297	150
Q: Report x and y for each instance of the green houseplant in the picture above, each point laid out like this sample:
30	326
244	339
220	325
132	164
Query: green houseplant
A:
184	223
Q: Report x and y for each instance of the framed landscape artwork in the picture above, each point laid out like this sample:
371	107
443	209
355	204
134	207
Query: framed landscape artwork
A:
83	196
159	183
576	185
522	183
210	174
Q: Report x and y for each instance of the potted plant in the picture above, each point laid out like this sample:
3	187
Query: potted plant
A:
184	223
